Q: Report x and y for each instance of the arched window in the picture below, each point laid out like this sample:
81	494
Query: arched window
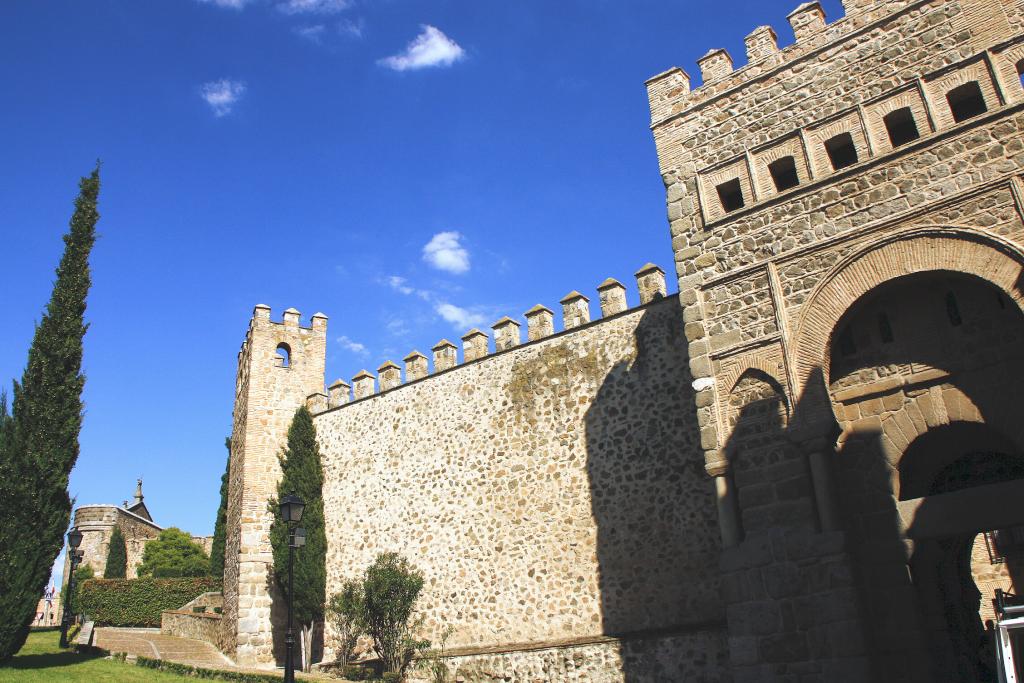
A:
283	358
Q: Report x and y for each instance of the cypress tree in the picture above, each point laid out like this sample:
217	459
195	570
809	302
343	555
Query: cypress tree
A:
220	526
302	474
117	556
41	442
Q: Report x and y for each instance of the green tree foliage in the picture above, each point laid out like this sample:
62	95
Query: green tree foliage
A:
83	573
391	587
173	553
302	474
117	556
220	526
345	611
40	445
139	602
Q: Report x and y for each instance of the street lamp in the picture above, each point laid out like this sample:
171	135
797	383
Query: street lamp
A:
291	512
74	540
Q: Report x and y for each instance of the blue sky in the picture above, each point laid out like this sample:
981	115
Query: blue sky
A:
410	168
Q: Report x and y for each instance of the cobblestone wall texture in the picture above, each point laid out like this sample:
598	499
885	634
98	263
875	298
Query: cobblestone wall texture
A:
546	492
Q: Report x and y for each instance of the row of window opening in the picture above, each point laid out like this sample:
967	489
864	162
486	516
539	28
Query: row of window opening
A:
965	102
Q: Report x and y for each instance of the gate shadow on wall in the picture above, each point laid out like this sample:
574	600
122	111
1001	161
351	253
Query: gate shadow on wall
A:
654	509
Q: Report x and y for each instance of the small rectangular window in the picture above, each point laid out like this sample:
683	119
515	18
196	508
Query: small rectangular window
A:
901	126
1020	72
731	195
966	101
784	173
841	151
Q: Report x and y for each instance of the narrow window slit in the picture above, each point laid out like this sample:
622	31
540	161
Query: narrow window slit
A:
283	356
841	151
966	101
730	194
901	126
784	173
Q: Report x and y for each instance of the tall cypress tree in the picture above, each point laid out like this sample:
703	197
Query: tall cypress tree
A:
117	556
220	526
41	445
302	474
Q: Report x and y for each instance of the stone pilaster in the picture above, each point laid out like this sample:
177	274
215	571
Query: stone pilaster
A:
613	297
474	345
540	322
338	393
445	355
390	375
714	65
807	20
364	384
506	334
575	310
651	281
762	42
415	366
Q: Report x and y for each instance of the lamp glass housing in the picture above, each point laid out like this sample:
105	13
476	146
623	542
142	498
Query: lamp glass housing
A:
298	537
291	508
74	538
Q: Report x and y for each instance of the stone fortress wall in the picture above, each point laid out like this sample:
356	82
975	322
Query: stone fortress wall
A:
546	489
550	490
97	522
883	145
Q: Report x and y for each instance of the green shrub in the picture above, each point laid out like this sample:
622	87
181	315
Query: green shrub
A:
139	602
391	586
345	610
391	677
206	674
355	672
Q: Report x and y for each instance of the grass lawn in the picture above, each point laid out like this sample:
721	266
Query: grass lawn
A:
41	661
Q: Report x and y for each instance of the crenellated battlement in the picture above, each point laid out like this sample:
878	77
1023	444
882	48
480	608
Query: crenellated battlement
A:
476	344
670	93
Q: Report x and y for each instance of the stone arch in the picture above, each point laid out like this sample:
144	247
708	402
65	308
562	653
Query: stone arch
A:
954	249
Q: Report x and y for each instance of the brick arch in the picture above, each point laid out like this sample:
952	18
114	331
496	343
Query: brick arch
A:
951	249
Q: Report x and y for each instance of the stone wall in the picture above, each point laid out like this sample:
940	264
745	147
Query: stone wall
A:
280	363
199	619
698	656
96	522
547	491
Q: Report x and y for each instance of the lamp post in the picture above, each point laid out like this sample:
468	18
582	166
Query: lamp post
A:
291	512
74	540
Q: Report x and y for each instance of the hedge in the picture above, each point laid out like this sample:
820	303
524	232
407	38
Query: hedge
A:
207	674
139	602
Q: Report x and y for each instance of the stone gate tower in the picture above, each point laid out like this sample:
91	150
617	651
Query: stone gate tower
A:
846	222
280	364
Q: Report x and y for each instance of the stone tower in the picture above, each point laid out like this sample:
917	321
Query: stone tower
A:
836	207
279	365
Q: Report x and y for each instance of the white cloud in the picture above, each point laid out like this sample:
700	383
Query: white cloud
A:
444	252
353	346
222	95
353	29
313	6
233	4
311	33
429	48
462	318
399	284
